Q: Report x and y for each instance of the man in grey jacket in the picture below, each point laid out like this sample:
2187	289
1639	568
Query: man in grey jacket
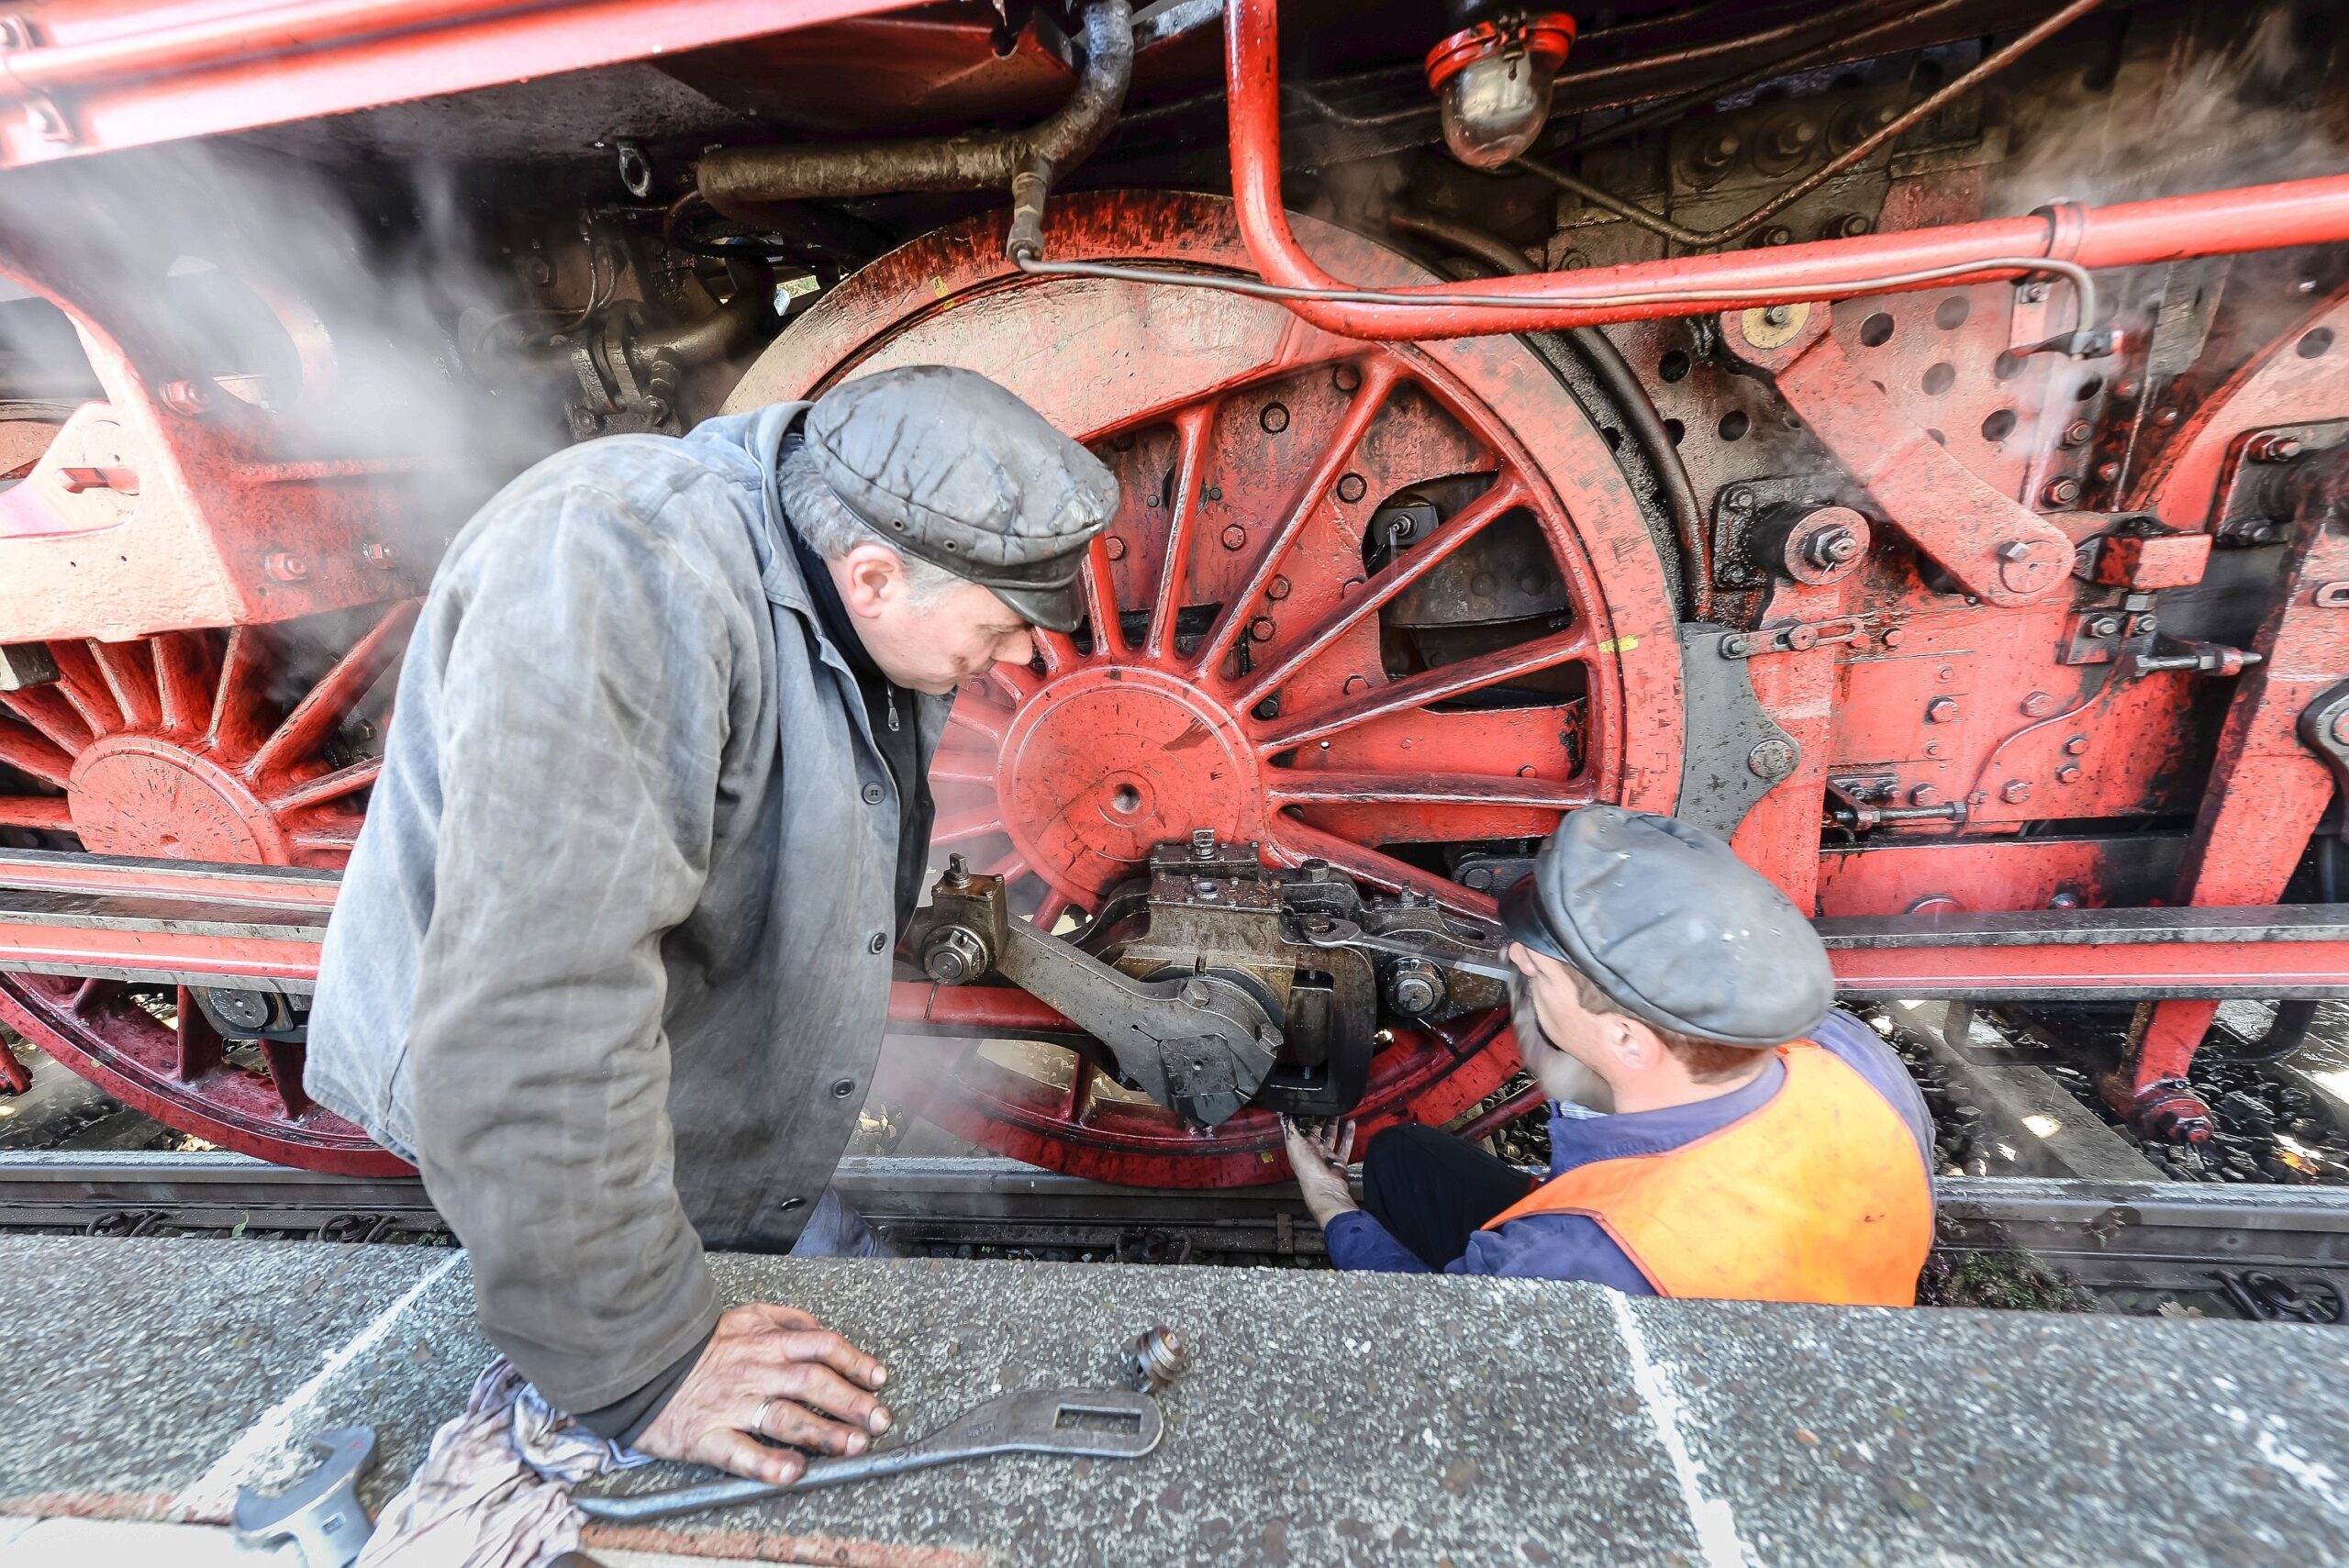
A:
611	960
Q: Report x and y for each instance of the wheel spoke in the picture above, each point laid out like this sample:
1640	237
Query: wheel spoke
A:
47	711
1101	600
1080	1079
1191	428
1048	914
1449	537
324	838
1432	685
335	786
1332	786
963	765
32	752
980	718
236	726
83	687
48	812
1056	649
1010	867
200	1044
1378	378
330	702
91	994
1299	841
284	1057
129	674
183	680
964	826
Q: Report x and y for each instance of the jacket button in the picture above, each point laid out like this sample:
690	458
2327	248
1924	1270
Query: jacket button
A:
880	940
872	794
844	1088
787	1204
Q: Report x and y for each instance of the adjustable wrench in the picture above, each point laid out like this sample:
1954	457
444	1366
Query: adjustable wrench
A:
1087	1423
1332	931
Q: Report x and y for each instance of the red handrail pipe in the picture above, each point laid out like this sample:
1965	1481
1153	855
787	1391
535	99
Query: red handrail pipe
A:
2168	228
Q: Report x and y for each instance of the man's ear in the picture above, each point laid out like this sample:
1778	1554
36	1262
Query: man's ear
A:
1635	1047
869	576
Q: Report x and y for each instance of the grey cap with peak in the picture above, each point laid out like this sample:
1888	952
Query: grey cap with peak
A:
1674	928
951	467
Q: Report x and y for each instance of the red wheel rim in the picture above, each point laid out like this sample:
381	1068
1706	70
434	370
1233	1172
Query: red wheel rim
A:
243	745
1252	452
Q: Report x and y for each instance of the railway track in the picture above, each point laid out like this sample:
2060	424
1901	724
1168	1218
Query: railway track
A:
2141	1235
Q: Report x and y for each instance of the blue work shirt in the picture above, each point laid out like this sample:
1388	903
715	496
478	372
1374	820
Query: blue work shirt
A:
1573	1246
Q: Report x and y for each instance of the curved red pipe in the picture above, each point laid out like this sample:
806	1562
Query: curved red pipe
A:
2256	217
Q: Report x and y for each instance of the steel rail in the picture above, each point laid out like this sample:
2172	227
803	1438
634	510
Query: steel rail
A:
2148	1235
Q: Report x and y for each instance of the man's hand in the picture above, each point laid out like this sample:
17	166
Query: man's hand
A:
778	1363
1319	1160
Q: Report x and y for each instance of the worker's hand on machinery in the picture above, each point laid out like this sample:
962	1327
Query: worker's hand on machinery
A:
1320	1158
776	1372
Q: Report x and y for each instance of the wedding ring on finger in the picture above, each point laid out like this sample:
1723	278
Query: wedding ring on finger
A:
759	1420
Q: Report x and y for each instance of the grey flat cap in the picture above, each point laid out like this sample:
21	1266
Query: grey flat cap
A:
956	470
1660	917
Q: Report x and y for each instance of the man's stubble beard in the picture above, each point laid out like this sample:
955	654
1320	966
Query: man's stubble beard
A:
1561	1076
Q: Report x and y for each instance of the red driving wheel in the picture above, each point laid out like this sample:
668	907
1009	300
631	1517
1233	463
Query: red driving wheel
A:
1371	605
247	746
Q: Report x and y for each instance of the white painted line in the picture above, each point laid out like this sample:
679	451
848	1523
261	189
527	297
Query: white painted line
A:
1716	1528
214	1493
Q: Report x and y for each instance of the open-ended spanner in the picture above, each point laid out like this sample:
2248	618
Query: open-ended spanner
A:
1083	1423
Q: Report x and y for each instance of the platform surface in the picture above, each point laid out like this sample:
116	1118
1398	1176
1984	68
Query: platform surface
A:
1329	1419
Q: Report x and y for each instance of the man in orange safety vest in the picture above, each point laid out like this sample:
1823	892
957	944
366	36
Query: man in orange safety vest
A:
1717	1127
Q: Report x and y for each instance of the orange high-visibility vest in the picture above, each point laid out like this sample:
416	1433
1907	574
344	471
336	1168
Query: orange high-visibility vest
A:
1820	1194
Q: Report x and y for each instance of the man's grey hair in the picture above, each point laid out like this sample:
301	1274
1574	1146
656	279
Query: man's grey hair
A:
826	525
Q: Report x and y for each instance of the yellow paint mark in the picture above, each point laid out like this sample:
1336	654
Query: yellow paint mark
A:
1618	645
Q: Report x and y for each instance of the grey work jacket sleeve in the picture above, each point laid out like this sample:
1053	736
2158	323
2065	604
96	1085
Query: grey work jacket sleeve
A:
585	719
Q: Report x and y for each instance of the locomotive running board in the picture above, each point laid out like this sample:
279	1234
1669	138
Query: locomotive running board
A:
260	928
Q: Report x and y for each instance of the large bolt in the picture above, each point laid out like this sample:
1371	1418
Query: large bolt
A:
1114	548
1235	537
1830	547
1155	1358
1352	488
1793	138
2039	704
1262	629
958	872
2075	745
2273	447
2014	792
285	566
953	956
2069	774
1416	988
1275	419
374	553
1738	499
1770	759
2102	626
1942	710
1196	993
189	399
1203	843
2060	491
1716	152
1277	589
1924	795
2078	433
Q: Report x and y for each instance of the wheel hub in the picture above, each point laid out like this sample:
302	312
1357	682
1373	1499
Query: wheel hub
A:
1104	763
139	795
